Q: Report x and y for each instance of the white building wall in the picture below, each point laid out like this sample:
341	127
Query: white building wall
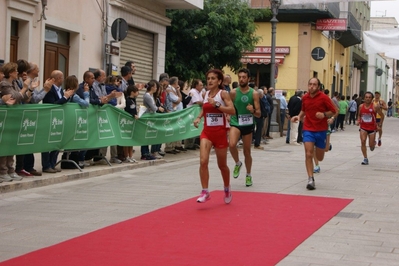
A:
141	21
85	27
377	83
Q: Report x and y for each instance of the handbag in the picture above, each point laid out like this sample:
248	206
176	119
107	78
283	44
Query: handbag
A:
142	110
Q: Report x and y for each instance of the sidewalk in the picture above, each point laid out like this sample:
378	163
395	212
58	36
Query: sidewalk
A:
91	171
366	232
98	170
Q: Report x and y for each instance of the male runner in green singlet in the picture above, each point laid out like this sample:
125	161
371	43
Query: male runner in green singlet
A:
246	103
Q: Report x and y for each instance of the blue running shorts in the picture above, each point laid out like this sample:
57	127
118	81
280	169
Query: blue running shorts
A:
317	137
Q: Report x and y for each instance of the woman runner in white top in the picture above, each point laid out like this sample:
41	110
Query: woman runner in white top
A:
217	104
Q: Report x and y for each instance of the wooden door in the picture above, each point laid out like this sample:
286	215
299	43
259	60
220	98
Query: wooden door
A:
56	57
14	49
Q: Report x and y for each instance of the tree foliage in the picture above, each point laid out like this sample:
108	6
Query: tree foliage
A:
214	37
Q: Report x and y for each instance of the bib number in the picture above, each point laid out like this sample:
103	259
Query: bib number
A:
245	120
213	120
367	118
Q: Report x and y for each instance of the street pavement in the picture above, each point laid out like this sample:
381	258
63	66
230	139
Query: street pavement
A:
39	212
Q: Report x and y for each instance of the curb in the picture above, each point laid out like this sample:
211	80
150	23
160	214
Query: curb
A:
91	171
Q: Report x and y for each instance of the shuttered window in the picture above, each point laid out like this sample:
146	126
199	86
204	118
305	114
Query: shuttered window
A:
138	47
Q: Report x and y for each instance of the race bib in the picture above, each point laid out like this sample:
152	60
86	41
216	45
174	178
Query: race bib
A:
245	120
213	120
367	118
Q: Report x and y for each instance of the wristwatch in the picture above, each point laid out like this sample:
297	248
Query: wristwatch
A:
217	104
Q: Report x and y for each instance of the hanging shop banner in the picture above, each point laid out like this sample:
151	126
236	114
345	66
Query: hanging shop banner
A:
33	128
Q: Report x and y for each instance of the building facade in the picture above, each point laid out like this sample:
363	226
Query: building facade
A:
72	35
313	51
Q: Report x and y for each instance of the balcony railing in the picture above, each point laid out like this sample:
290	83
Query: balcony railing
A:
311	12
353	35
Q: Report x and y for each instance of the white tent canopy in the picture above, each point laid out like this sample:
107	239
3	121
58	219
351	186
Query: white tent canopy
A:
382	41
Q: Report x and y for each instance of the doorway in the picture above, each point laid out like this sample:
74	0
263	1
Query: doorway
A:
260	74
56	55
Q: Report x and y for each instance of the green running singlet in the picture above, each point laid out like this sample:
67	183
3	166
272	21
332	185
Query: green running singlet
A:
243	117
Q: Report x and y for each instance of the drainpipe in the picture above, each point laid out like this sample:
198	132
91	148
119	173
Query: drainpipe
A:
105	36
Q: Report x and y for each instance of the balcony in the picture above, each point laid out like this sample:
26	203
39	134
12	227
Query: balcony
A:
182	4
308	12
311	12
353	35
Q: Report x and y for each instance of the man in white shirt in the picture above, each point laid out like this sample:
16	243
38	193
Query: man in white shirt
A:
196	98
99	89
283	108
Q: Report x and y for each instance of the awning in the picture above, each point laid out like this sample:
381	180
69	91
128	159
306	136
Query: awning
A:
253	58
382	41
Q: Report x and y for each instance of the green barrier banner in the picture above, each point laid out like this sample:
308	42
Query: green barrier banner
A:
33	128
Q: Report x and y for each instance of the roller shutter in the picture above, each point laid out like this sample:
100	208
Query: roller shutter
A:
138	47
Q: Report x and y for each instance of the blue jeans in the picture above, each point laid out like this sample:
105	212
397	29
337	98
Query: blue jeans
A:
258	131
145	150
156	148
49	159
389	113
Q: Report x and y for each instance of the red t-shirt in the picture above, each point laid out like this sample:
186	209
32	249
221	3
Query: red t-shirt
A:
163	97
311	105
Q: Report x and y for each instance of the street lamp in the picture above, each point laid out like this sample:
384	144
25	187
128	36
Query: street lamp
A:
274	5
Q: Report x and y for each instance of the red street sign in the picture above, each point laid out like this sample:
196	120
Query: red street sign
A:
337	24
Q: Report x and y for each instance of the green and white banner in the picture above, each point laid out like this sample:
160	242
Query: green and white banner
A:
33	128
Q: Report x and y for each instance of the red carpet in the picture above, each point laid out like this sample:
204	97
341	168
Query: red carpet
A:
255	229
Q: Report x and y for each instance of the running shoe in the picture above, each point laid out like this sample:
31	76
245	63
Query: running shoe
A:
35	172
115	160
23	172
204	196
311	184
157	155
379	143
365	161
227	195
180	149
330	147
6	178
237	169
316	169
372	148
15	176
148	157
248	181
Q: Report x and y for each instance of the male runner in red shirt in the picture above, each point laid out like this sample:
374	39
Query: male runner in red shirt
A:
316	109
